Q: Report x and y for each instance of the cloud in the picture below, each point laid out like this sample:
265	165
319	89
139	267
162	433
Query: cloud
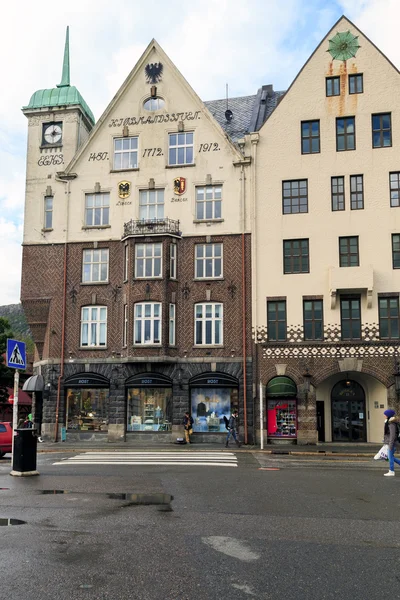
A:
377	19
212	42
10	251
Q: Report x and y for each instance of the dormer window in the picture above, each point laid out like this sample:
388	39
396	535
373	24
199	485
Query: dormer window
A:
153	104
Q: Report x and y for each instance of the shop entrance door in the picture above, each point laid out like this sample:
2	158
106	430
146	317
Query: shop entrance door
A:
348	412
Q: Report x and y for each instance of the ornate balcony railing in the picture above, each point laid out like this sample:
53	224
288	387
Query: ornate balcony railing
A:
151	227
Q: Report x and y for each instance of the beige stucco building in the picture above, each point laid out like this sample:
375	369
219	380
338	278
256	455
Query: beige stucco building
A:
326	243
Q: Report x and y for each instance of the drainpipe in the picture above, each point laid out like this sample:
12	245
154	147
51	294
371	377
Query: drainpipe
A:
244	290
63	312
254	138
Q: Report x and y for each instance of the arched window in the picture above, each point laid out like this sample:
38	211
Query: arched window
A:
153	104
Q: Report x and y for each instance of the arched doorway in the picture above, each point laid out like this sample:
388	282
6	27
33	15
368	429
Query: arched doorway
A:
348	412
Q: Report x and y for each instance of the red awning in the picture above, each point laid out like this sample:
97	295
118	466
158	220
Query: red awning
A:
23	397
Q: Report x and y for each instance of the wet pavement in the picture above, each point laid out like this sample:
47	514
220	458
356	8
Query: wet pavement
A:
277	526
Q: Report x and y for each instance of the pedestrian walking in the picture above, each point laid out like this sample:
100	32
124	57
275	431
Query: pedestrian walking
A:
27	424
233	429
188	425
390	438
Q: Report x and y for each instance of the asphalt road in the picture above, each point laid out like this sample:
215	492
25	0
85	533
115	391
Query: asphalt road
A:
314	529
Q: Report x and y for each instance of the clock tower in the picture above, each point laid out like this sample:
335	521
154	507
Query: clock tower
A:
59	122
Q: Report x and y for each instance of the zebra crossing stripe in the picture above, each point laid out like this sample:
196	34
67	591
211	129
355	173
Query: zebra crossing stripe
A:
219	459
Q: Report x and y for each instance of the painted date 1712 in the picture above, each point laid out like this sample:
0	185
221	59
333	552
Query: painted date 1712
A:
212	146
153	152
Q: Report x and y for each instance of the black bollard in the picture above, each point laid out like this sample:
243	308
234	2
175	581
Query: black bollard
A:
25	452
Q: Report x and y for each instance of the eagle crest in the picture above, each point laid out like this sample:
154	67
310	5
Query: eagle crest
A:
124	189
154	72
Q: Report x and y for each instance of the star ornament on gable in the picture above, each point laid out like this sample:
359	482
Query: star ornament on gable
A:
154	72
343	46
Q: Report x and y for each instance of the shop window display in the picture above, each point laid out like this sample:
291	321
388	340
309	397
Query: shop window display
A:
282	418
210	406
149	409
87	409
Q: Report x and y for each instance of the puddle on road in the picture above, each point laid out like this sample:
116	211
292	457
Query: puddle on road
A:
144	499
161	500
9	522
2	489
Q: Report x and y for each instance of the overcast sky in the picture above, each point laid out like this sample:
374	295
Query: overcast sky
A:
245	43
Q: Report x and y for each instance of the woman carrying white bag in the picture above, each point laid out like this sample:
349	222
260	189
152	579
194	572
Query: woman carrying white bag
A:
383	453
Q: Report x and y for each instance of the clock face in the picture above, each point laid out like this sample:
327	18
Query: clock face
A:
52	133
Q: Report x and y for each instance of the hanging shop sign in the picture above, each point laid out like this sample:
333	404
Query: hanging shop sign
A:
214	380
148	379
87	380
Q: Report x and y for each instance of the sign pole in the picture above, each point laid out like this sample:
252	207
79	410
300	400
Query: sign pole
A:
261	418
15	407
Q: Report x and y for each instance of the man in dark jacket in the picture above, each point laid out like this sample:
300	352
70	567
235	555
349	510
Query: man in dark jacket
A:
233	429
390	438
188	424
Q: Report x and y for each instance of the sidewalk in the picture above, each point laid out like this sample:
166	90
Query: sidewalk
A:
283	449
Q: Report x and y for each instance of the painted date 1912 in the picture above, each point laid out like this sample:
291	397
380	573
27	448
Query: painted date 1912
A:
211	147
153	152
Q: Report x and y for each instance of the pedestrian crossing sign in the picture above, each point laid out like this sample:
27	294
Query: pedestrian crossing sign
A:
16	354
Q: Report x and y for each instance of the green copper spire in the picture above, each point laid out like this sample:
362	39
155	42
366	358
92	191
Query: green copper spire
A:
64	94
65	79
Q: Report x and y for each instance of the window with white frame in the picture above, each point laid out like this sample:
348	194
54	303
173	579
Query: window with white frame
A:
172	261
148	260
95	265
208	202
97	209
125	153
126	262
147	328
151	204
125	330
208	261
208	324
180	148
48	212
172	325
94	326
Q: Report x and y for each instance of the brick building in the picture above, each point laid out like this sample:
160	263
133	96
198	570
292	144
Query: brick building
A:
136	277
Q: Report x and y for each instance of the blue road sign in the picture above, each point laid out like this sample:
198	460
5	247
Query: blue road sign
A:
16	354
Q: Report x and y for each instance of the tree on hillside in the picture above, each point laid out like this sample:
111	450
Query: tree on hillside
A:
6	374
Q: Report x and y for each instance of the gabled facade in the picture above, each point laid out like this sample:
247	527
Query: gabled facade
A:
137	260
326	246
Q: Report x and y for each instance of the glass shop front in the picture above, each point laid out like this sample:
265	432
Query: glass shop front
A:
213	397
149	403
87	402
281	395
